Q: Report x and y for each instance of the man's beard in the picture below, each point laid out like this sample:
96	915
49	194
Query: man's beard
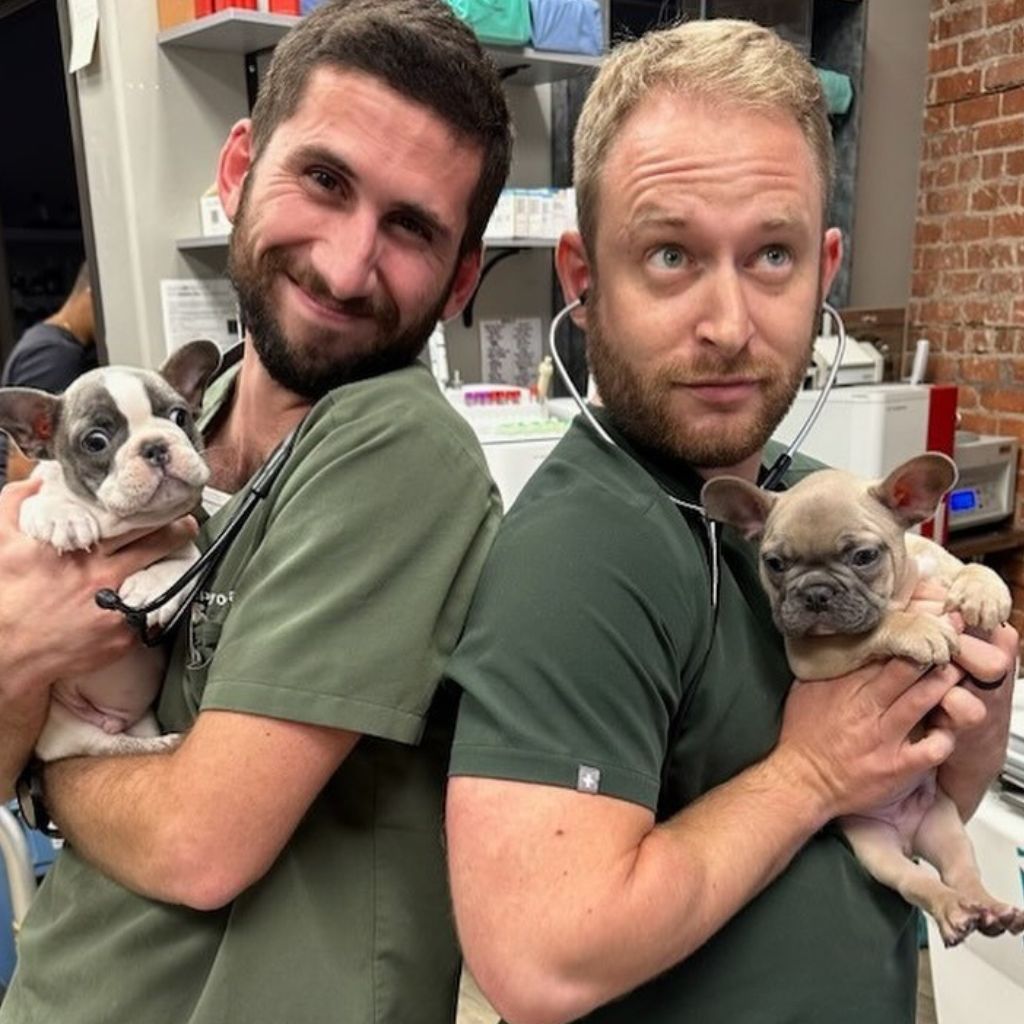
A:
324	362
642	406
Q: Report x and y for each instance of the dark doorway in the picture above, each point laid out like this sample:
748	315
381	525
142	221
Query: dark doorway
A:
41	239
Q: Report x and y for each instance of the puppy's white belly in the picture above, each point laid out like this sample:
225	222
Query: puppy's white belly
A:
907	811
115	697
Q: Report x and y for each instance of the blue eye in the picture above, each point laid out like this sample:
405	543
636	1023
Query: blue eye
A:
776	256
669	257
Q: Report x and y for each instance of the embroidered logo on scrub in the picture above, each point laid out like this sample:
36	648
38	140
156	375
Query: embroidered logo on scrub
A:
588	779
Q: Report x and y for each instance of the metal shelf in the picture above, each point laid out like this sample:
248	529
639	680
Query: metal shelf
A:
241	31
202	242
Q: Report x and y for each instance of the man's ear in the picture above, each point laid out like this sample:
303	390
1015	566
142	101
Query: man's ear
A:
574	274
739	503
912	490
30	417
467	274
831	259
234	165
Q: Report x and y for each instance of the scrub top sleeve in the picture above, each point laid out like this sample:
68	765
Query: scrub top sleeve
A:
572	657
349	606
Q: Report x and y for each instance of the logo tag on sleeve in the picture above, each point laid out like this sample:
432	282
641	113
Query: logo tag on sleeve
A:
588	779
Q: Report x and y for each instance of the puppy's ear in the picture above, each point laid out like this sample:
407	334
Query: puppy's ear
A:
19	465
190	368
30	417
912	491
738	503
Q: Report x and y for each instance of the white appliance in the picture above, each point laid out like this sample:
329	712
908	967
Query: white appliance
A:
982	980
987	484
862	363
866	430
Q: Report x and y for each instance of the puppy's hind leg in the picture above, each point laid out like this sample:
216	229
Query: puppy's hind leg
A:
943	841
880	849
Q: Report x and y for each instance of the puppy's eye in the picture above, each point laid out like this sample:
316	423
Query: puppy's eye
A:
179	416
863	557
773	563
95	441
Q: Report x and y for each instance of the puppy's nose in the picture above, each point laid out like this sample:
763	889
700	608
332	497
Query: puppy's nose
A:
155	453
816	598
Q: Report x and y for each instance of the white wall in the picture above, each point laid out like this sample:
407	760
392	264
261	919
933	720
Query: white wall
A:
152	125
892	116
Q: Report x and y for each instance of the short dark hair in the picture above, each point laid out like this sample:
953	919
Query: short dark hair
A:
420	49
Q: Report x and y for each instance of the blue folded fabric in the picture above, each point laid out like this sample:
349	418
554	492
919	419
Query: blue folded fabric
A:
570	26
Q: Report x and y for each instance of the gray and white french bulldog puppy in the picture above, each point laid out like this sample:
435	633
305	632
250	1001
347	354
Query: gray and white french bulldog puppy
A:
839	568
119	450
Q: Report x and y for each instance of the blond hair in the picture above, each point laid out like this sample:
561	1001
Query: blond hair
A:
720	61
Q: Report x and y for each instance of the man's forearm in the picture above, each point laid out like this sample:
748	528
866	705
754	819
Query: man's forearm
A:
119	814
576	923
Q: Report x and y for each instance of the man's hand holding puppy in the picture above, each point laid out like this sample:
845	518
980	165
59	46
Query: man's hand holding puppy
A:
869	716
42	586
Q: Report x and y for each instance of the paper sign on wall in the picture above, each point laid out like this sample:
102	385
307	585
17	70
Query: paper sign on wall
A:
199	309
84	18
510	350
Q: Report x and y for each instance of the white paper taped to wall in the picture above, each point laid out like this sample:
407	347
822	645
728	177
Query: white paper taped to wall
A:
510	351
199	309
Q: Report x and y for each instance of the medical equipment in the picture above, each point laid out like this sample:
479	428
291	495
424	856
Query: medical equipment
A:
987	487
200	571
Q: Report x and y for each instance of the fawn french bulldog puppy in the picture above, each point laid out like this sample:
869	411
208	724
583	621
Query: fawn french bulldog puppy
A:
839	569
117	451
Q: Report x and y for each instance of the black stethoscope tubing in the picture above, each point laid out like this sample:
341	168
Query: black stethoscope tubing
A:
199	571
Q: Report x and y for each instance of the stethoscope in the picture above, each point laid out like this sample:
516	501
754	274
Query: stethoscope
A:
770	480
199	571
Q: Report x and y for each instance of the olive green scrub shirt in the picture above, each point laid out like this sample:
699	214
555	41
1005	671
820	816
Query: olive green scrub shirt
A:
582	667
337	605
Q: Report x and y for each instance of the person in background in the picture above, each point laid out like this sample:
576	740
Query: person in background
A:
284	864
53	352
641	811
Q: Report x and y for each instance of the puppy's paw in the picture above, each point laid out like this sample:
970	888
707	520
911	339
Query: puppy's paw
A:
63	524
148	584
928	640
980	596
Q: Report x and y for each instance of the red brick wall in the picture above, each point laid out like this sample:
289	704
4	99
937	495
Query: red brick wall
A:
967	293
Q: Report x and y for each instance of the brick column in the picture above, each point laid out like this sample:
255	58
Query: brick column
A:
967	292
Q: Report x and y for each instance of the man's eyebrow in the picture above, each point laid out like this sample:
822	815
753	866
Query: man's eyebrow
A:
318	154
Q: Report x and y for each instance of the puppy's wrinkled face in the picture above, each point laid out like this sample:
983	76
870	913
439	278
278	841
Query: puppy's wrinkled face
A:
128	441
840	576
833	548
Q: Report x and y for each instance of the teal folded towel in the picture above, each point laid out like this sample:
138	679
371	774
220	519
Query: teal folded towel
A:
838	91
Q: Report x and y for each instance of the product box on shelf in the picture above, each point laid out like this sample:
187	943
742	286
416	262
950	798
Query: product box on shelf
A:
505	22
175	12
569	26
213	221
